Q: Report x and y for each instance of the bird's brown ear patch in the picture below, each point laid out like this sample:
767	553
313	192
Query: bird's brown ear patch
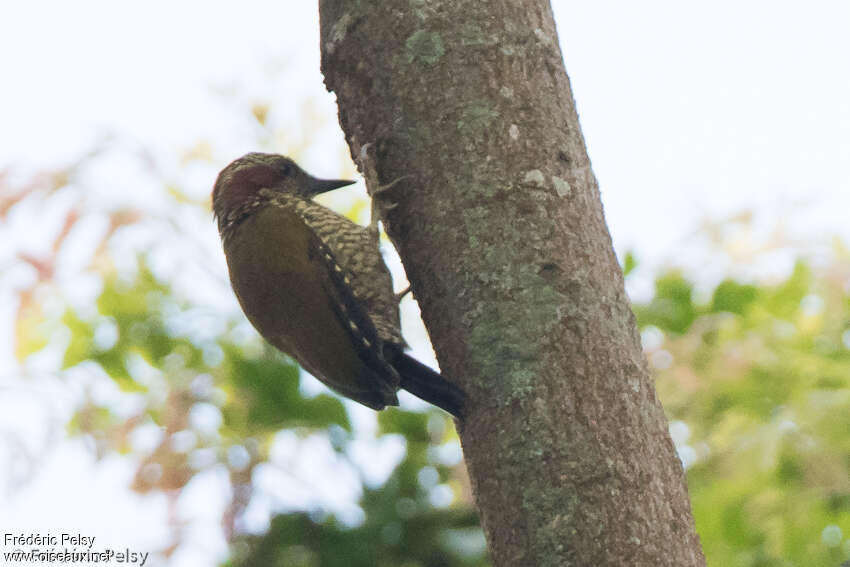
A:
241	186
252	179
237	186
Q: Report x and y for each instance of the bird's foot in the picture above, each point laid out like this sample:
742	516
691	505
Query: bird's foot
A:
379	202
400	295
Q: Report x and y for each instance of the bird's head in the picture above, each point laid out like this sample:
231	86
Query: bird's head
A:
240	182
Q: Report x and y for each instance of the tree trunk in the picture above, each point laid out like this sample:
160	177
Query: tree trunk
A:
500	227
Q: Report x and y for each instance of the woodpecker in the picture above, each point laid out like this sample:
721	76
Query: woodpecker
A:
315	286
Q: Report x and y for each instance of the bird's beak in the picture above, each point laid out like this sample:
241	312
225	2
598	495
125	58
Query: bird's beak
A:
319	186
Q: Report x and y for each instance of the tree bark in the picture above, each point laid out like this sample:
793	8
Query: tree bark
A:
500	227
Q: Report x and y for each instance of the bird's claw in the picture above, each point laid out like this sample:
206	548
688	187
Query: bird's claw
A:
400	295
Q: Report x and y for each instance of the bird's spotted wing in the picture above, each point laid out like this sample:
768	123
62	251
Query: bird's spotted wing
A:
356	251
351	314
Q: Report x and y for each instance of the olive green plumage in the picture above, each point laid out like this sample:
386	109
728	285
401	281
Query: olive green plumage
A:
314	284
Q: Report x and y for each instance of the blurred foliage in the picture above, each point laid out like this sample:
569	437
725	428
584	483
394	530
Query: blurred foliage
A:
401	527
755	376
757	382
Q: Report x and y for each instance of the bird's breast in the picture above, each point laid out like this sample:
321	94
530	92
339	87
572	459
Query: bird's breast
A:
278	282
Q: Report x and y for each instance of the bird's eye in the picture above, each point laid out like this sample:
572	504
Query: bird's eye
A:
286	169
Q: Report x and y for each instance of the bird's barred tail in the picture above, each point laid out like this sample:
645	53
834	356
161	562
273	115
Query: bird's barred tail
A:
428	385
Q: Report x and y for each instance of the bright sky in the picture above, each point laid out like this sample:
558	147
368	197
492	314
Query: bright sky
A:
688	111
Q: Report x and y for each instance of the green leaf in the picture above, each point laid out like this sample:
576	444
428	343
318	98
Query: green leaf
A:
733	297
412	425
672	308
80	346
267	395
784	301
629	263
